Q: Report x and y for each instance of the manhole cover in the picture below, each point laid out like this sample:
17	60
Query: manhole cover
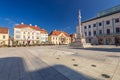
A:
57	58
93	65
75	64
105	76
73	59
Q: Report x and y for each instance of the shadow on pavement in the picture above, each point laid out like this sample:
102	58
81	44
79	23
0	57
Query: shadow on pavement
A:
101	49
14	68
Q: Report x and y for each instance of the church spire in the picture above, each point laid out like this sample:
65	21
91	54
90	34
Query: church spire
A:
79	17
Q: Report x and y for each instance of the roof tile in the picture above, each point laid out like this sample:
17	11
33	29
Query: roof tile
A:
3	30
56	33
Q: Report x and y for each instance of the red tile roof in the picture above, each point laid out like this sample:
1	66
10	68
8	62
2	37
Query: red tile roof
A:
72	35
3	30
27	26
43	31
56	33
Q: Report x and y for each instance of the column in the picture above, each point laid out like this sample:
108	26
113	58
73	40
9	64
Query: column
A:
113	25
104	39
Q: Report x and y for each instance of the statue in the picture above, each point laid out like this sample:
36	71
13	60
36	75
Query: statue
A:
80	41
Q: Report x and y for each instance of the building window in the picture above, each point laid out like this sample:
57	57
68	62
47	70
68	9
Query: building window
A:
24	32
32	33
108	31
37	33
107	22
85	33
117	30
17	36
89	40
94	32
100	31
3	36
28	32
32	37
23	37
37	38
100	24
28	37
17	31
117	20
89	33
94	25
85	27
89	26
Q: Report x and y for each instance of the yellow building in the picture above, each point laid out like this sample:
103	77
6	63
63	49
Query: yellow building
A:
73	37
4	36
59	37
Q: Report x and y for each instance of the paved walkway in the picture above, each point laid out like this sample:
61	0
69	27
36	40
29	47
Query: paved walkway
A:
57	63
19	64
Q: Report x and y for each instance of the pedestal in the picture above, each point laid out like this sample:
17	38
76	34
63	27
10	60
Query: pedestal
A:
80	43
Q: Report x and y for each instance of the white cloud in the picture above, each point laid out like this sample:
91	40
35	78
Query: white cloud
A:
10	21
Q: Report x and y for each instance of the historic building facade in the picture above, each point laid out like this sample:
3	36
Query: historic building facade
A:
43	36
28	34
59	37
73	37
4	36
104	28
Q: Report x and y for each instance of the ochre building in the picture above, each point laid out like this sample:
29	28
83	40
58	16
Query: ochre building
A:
59	37
4	36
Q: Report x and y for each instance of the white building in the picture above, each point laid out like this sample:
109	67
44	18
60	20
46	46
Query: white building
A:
44	36
104	28
27	34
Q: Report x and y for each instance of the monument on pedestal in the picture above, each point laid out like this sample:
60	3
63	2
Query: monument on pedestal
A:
80	41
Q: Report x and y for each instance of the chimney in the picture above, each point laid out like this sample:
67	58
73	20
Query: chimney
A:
30	24
35	25
22	23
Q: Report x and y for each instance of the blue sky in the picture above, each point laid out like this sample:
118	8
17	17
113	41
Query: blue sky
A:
50	14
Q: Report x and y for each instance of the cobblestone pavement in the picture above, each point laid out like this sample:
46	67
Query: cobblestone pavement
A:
60	63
